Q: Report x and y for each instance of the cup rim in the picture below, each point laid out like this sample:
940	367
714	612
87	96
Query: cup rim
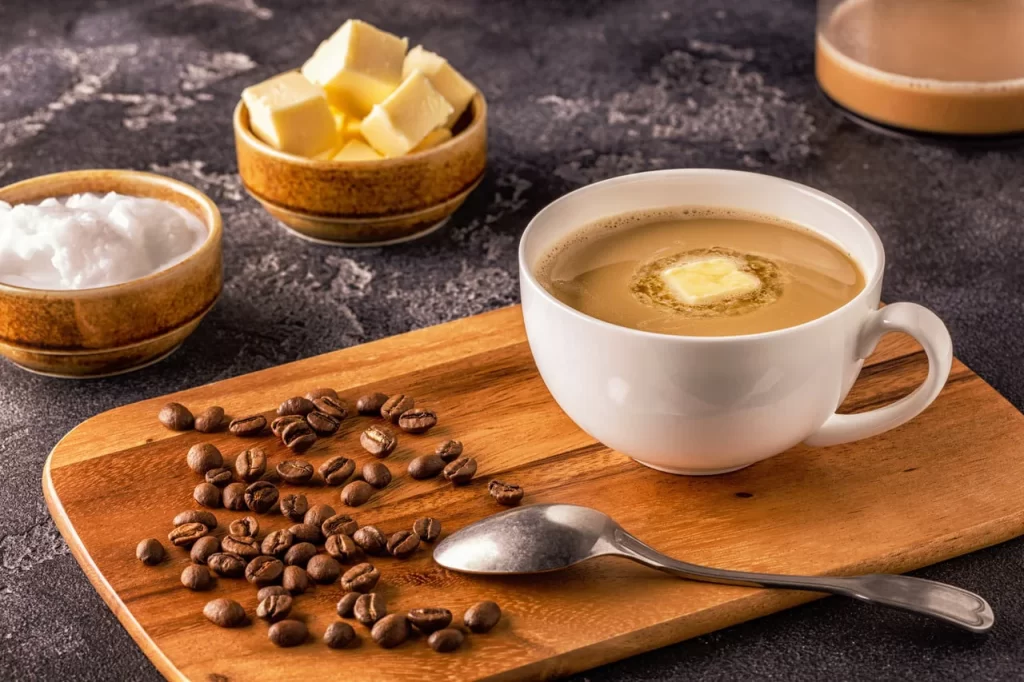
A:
211	219
527	276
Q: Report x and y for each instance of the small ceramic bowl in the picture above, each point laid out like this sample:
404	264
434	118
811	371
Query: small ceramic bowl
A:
365	203
113	329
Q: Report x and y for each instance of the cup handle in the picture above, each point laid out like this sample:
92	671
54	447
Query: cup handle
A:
931	333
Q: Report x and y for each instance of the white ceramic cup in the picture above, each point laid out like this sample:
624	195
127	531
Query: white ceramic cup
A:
709	405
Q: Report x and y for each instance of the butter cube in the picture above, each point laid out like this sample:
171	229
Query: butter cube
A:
358	66
353	127
291	114
709	280
340	120
449	82
357	150
433	138
401	121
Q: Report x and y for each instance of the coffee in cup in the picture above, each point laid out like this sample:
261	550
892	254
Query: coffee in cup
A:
699	271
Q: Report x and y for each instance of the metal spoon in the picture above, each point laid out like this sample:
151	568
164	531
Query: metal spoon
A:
548	537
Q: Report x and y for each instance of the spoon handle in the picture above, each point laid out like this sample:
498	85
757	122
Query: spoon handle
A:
937	600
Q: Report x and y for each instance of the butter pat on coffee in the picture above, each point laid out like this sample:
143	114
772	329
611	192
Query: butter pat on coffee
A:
708	280
403	120
358	66
291	114
445	79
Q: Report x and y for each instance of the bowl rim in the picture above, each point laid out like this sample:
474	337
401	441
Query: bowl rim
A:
478	104
211	219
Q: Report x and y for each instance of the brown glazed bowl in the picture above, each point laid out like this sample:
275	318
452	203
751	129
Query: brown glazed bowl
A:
113	329
365	203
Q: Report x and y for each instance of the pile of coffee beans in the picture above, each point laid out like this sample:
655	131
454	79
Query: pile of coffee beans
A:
322	546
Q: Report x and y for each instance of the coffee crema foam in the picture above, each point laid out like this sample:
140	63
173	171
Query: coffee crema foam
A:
649	287
630	270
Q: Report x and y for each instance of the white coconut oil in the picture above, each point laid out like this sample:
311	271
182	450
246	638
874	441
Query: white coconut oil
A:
89	240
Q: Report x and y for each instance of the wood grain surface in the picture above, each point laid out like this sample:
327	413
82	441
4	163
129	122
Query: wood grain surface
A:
943	485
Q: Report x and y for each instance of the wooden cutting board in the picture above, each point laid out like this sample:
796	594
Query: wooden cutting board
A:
943	485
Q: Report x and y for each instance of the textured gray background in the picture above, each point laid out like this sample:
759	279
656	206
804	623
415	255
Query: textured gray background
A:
579	91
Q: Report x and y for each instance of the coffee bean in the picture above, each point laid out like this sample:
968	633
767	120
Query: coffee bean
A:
427	528
226	613
196	577
347	604
261	497
150	551
288	633
193	516
234	496
294	507
245	527
204	548
299	554
323	569
277	426
278	542
369	608
275	607
296	405
449	450
508	494
377	474
379	441
446	641
186	534
356	493
390	631
322	423
251	425
226	565
317	393
333	407
295	471
425	466
430	619
207	494
295	579
371	540
202	457
337	470
402	544
219	477
269	590
240	545
251	464
343	548
371	403
483	616
339	524
298	436
307	532
417	420
461	471
176	417
210	419
318	513
395	406
360	578
339	635
263	571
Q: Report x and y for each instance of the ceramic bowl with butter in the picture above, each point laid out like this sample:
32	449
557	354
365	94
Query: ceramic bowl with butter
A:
365	203
108	329
370	143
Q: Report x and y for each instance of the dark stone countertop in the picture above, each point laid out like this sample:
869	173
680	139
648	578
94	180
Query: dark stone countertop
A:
579	91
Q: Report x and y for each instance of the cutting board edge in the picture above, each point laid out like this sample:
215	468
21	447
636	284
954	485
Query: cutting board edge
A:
107	593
